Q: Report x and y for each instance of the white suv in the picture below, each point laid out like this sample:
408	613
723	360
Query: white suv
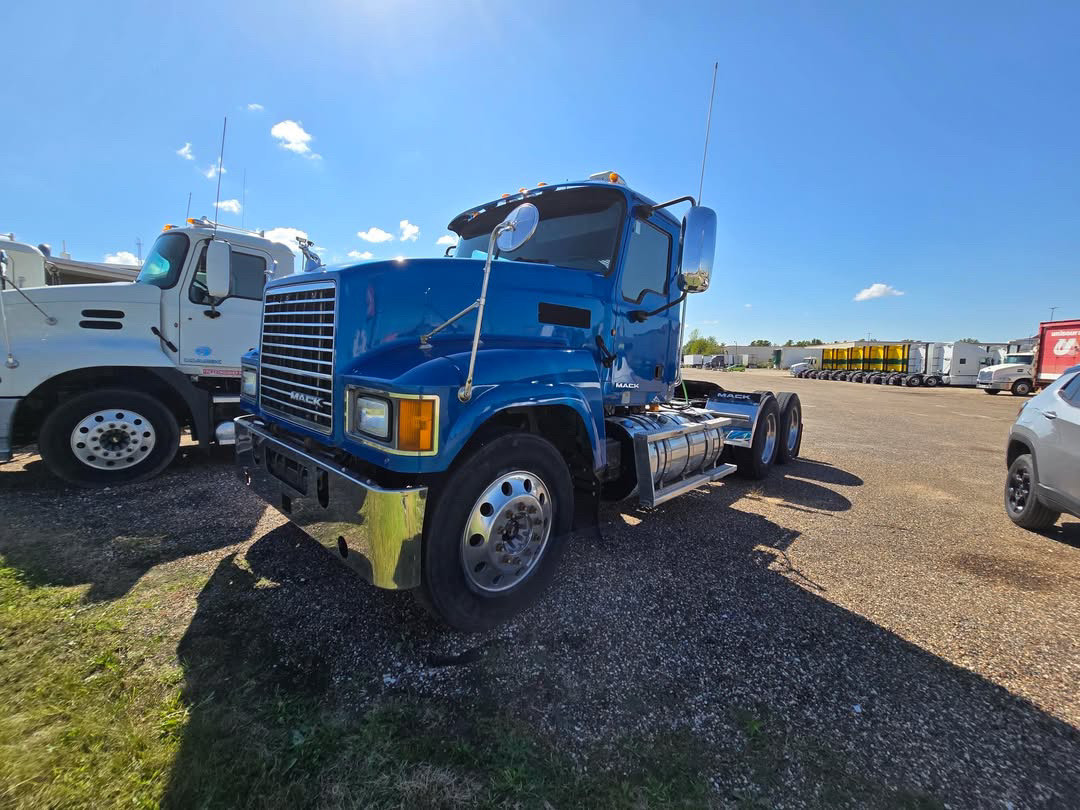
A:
1044	456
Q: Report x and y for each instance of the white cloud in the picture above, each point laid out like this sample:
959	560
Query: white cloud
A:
292	136
446	240
255	107
122	257
286	236
748	306
361	254
232	206
185	152
211	172
374	234
409	232
878	290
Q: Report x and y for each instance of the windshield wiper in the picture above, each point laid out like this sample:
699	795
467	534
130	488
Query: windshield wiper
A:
532	261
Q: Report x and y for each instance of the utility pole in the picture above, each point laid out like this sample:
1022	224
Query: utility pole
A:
1052	311
138	248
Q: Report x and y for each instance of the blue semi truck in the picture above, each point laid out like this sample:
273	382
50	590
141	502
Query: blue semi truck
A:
444	425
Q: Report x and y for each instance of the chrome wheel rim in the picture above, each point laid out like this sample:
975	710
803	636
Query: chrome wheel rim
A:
1018	490
112	439
793	428
506	533
769	446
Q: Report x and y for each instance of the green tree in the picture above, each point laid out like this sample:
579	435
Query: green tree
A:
969	340
696	344
761	343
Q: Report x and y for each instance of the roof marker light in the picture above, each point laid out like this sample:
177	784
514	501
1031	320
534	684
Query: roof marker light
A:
167	227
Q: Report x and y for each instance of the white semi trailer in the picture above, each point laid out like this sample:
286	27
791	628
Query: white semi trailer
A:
106	377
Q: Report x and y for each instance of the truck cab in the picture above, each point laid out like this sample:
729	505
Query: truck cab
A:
106	377
442	425
1015	373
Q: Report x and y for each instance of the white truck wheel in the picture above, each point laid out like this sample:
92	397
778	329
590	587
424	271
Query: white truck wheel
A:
113	436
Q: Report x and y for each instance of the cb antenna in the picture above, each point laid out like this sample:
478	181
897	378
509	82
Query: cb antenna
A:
708	126
188	212
221	158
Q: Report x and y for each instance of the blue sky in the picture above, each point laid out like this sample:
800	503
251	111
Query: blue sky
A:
930	148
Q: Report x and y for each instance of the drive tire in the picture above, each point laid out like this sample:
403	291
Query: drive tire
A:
445	591
992	391
754	462
1021	503
791	427
1021	388
932	382
913	381
57	436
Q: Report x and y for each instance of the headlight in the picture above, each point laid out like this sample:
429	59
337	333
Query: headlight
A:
372	417
249	382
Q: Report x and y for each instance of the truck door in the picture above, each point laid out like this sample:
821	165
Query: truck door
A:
212	339
645	355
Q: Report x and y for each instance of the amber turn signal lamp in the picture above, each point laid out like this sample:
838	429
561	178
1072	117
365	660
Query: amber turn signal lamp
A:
416	425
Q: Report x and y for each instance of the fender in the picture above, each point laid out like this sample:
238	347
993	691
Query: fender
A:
528	376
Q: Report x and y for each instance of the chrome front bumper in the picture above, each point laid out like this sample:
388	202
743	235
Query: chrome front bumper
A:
375	531
999	385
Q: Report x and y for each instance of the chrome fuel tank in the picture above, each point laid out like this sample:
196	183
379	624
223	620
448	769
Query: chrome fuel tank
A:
673	450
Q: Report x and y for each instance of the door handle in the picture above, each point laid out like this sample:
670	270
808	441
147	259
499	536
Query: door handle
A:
1050	414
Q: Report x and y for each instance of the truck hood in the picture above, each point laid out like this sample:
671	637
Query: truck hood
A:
118	292
384	307
1007	367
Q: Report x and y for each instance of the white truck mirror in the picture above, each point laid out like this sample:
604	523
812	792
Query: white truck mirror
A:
218	259
698	249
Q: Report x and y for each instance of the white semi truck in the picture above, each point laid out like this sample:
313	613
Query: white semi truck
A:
105	378
1015	373
29	266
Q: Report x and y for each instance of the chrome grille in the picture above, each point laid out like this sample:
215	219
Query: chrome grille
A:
985	376
296	374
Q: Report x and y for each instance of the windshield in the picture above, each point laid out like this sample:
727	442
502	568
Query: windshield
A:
578	228
1023	359
162	266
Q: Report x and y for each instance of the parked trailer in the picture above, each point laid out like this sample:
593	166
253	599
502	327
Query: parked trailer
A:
1059	348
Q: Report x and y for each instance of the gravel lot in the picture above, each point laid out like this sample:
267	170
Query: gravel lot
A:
871	602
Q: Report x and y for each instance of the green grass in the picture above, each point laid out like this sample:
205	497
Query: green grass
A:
99	711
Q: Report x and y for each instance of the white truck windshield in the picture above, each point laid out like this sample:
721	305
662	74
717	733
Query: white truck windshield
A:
162	266
1023	359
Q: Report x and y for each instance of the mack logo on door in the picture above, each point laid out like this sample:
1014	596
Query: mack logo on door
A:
307	399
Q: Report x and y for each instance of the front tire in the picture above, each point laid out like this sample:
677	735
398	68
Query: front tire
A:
493	538
1021	388
113	436
992	391
1021	503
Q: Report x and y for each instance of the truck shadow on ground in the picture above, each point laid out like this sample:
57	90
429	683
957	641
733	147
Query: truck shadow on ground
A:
677	621
110	538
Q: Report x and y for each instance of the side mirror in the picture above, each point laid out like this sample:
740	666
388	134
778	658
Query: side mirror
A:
218	259
698	249
518	228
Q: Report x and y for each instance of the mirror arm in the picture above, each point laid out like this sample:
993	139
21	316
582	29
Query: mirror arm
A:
639	315
648	209
465	394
